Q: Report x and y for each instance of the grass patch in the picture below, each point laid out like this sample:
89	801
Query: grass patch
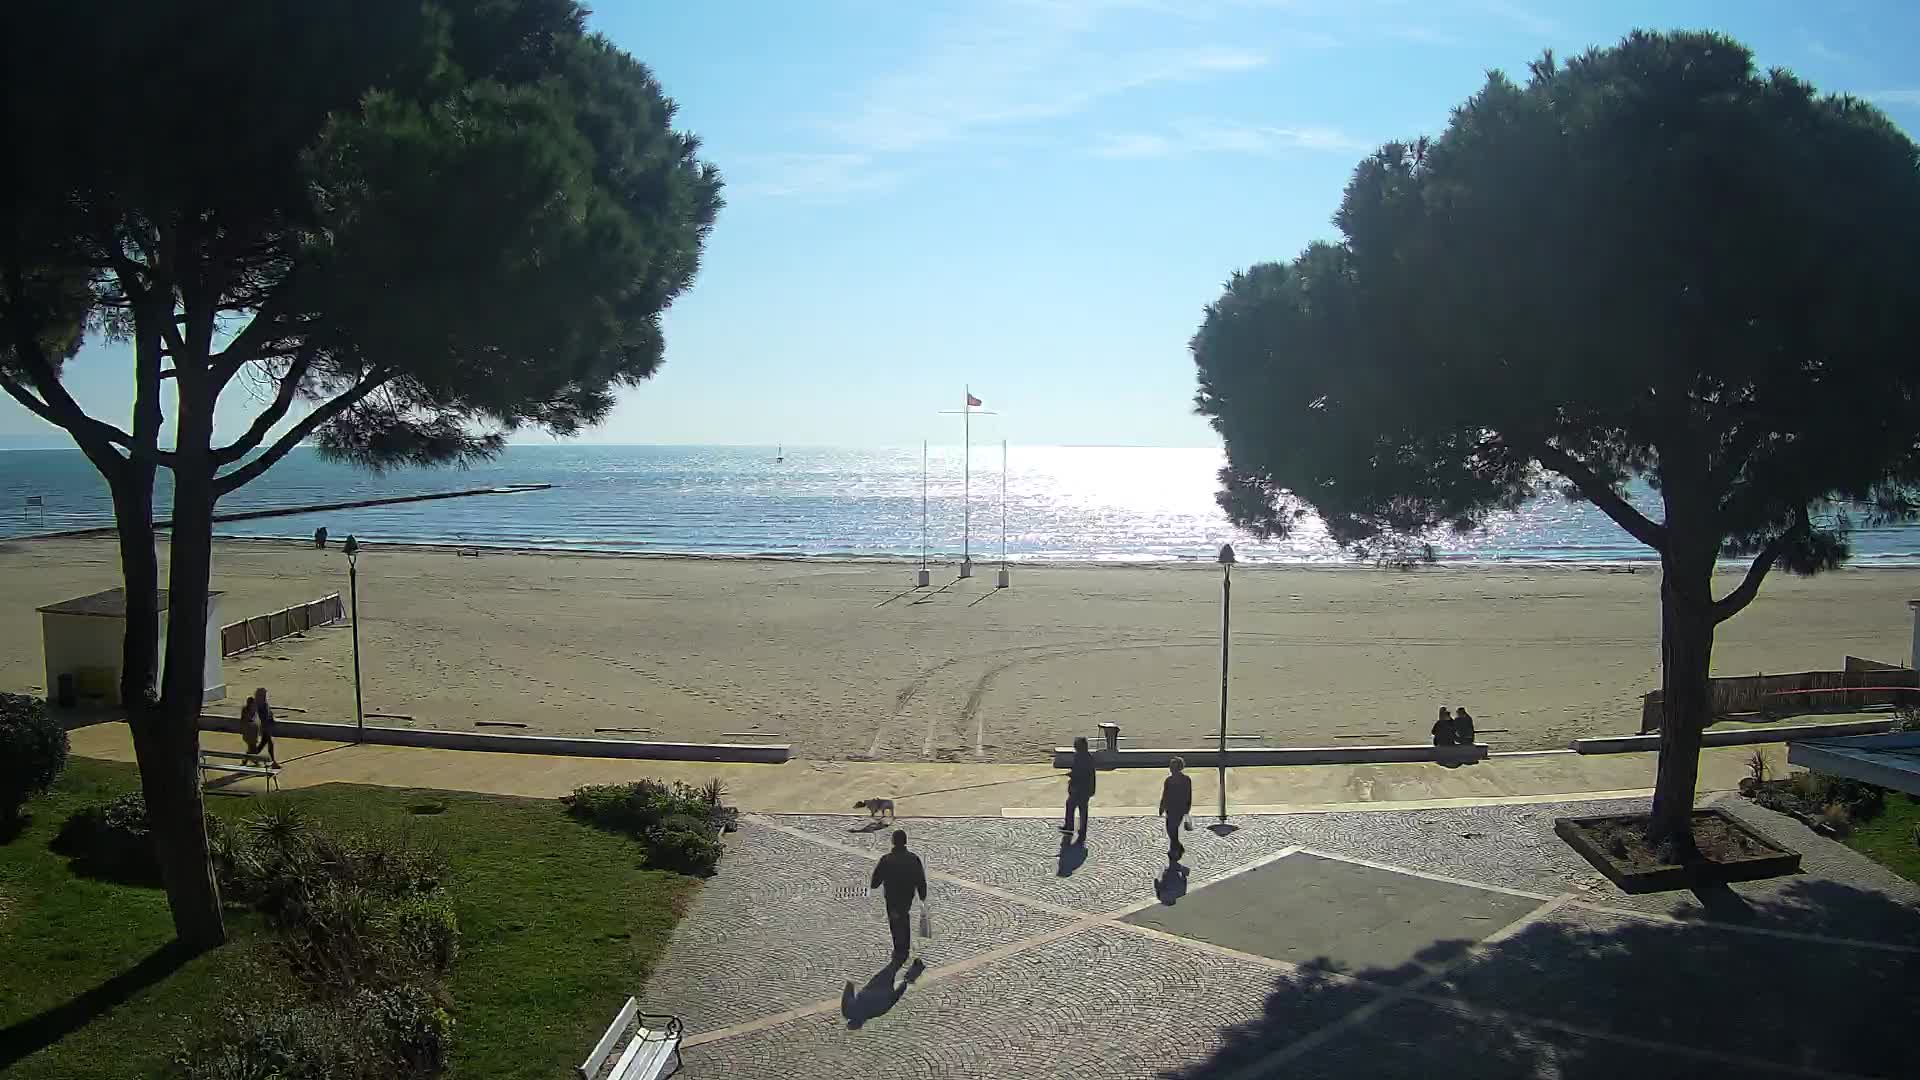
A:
1889	838
558	925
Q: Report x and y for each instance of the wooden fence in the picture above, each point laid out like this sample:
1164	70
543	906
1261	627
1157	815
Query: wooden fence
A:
239	637
1776	697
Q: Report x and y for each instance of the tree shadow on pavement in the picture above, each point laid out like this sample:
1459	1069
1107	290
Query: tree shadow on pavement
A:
36	1033
1689	998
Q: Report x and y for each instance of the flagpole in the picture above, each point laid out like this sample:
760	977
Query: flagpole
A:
923	579
966	487
1005	578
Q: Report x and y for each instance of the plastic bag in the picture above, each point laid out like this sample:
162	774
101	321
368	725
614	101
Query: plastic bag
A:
926	921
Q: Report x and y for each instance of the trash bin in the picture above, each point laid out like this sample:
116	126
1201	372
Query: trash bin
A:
1111	732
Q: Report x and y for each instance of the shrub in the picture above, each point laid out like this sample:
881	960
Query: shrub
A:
398	1031
112	841
33	752
678	824
684	851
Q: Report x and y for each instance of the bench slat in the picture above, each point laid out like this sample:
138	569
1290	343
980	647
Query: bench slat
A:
603	1049
651	1060
247	770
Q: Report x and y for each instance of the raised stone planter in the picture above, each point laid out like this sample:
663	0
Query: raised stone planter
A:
1730	850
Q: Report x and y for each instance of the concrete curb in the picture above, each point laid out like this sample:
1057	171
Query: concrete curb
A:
1145	758
1625	744
755	753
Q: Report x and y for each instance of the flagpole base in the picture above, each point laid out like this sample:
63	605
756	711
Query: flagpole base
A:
922	579
1004	580
966	569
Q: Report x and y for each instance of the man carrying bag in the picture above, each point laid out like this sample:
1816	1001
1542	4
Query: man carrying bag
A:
901	876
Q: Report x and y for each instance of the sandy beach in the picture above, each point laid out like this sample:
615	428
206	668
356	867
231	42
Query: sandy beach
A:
839	660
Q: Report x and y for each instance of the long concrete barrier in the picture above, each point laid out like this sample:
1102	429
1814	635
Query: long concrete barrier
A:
1627	744
762	753
1209	756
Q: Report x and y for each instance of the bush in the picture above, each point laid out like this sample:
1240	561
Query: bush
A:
33	752
389	1032
684	851
678	824
352	910
111	841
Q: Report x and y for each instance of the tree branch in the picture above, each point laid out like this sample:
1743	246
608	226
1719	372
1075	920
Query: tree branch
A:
294	436
1734	602
1601	494
275	412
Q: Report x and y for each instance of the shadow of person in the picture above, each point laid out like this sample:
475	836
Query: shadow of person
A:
879	995
1072	856
872	826
1170	886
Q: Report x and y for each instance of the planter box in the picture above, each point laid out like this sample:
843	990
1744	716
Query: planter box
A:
1730	850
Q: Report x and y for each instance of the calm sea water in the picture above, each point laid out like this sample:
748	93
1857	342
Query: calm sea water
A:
1097	504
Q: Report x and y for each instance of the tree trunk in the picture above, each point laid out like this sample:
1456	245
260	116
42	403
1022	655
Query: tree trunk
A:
179	824
1686	641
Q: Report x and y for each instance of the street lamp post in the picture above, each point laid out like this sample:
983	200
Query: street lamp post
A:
1226	617
352	548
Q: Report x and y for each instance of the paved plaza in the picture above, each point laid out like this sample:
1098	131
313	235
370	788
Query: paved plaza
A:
1462	942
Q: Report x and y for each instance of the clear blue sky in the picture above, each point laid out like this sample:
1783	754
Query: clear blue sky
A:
1037	197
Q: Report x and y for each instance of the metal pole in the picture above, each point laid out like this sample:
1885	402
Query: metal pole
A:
1226	616
966	484
923	504
353	592
1003	504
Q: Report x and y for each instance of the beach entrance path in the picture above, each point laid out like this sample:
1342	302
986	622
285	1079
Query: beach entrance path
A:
1462	942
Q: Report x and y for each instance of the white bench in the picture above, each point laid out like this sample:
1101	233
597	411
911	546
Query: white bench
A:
238	764
655	1045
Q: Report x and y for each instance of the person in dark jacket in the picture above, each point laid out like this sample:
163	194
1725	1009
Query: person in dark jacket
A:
901	876
1443	728
264	713
1080	784
1176	802
1462	726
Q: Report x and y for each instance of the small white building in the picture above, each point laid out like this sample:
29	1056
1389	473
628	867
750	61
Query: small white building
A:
85	638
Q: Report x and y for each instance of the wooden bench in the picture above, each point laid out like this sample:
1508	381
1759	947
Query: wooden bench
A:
239	765
655	1045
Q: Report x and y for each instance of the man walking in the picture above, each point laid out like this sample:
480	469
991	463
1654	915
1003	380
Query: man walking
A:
901	876
1176	802
1080	785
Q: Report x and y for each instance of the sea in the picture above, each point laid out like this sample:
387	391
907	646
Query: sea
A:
1058	504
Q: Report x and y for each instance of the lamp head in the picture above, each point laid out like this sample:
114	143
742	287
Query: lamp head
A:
1226	552
351	547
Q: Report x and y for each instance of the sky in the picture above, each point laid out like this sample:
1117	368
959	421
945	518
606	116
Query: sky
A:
1037	198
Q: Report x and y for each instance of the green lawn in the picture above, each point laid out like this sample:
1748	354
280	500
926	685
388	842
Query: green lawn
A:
1888	839
558	925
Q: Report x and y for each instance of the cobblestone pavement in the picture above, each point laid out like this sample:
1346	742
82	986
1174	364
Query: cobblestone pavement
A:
1050	966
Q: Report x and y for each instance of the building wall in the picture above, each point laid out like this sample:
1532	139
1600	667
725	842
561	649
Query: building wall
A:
72	642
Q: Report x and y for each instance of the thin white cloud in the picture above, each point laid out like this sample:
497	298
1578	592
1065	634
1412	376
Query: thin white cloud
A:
1518	14
1224	138
984	84
813	176
1422	35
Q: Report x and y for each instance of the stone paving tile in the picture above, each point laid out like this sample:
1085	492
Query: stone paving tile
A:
1413	1040
1509	846
1122	859
784	923
1100	1003
1746	995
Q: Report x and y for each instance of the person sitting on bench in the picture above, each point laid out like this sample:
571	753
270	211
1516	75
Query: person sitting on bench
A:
1443	729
